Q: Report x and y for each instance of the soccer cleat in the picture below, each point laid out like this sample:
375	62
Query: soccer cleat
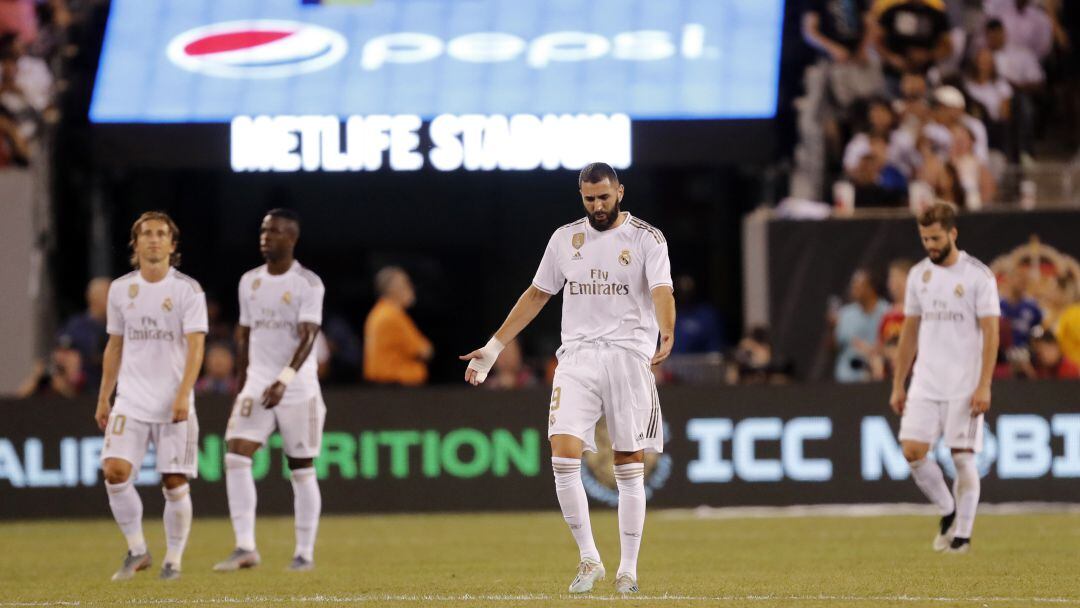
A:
945	534
131	565
625	583
959	545
239	558
588	573
299	564
169	572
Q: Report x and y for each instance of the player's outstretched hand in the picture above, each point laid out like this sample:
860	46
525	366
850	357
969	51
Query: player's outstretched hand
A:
980	401
897	399
101	414
273	394
664	350
180	409
480	361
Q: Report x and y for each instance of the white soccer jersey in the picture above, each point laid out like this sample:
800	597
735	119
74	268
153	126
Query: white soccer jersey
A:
949	301
609	277
153	319
273	306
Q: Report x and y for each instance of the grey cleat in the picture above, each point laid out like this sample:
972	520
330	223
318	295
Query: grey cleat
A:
238	559
299	564
624	583
588	573
131	565
169	572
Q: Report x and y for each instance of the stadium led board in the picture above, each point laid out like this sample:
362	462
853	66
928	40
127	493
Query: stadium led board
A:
451	84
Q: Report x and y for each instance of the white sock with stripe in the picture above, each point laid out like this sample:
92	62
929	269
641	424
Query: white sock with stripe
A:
177	522
574	504
630	478
127	510
968	487
307	505
928	476
240	486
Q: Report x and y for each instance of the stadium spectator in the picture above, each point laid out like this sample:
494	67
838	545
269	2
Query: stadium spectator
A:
19	17
54	20
972	172
14	149
219	371
877	182
992	96
879	119
510	371
753	362
913	105
340	353
892	320
912	35
1048	361
857	329
698	328
30	75
86	331
1018	309
1027	24
60	374
395	352
949	110
1020	67
1067	331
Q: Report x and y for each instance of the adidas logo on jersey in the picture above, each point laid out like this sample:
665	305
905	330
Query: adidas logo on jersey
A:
576	256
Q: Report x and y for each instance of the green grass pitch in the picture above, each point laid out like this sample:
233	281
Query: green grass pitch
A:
528	560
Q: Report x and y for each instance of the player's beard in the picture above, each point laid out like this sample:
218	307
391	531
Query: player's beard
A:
609	222
942	255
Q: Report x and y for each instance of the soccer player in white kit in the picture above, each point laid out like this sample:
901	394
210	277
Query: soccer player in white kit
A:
280	314
951	313
157	326
617	299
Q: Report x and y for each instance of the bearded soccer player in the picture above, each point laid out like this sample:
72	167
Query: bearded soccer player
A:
280	314
615	275
157	325
951	315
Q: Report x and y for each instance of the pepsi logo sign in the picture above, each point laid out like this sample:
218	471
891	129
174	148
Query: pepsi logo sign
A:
257	49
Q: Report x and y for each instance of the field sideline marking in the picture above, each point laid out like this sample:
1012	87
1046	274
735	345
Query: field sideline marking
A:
338	599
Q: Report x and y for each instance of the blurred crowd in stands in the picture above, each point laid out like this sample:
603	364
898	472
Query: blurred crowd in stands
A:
913	101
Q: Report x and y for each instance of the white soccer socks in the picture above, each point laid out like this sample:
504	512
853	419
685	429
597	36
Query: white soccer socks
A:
127	510
968	486
177	522
574	504
307	503
928	476
240	486
630	478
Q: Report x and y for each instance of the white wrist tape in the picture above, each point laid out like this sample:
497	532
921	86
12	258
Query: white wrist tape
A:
488	354
286	376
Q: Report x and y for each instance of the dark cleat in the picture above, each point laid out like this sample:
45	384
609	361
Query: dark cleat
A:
959	545
299	564
945	532
169	572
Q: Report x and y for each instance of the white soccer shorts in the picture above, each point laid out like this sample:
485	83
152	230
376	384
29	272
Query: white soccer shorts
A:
299	421
926	420
601	379
176	443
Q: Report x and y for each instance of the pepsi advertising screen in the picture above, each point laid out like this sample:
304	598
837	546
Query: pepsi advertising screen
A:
304	85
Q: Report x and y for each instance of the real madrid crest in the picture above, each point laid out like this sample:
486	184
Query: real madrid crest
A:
287	297
959	291
926	277
133	290
578	240
255	284
167	305
624	257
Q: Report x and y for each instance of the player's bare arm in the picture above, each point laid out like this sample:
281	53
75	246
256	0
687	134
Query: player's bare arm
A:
110	371
980	401
664	302
524	311
182	404
243	340
905	356
308	332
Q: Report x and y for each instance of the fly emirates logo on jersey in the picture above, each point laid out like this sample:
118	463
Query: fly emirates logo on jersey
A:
270	320
148	329
598	285
941	312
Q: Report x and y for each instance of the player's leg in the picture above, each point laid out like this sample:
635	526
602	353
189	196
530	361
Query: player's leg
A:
572	417
250	424
301	426
965	437
920	427
177	461
125	446
630	479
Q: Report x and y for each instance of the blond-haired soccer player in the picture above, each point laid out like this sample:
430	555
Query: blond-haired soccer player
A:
157	326
615	275
951	313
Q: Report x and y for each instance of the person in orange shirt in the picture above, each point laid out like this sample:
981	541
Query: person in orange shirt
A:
395	352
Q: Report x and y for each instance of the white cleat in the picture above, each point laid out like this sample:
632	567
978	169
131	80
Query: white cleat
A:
625	583
589	572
